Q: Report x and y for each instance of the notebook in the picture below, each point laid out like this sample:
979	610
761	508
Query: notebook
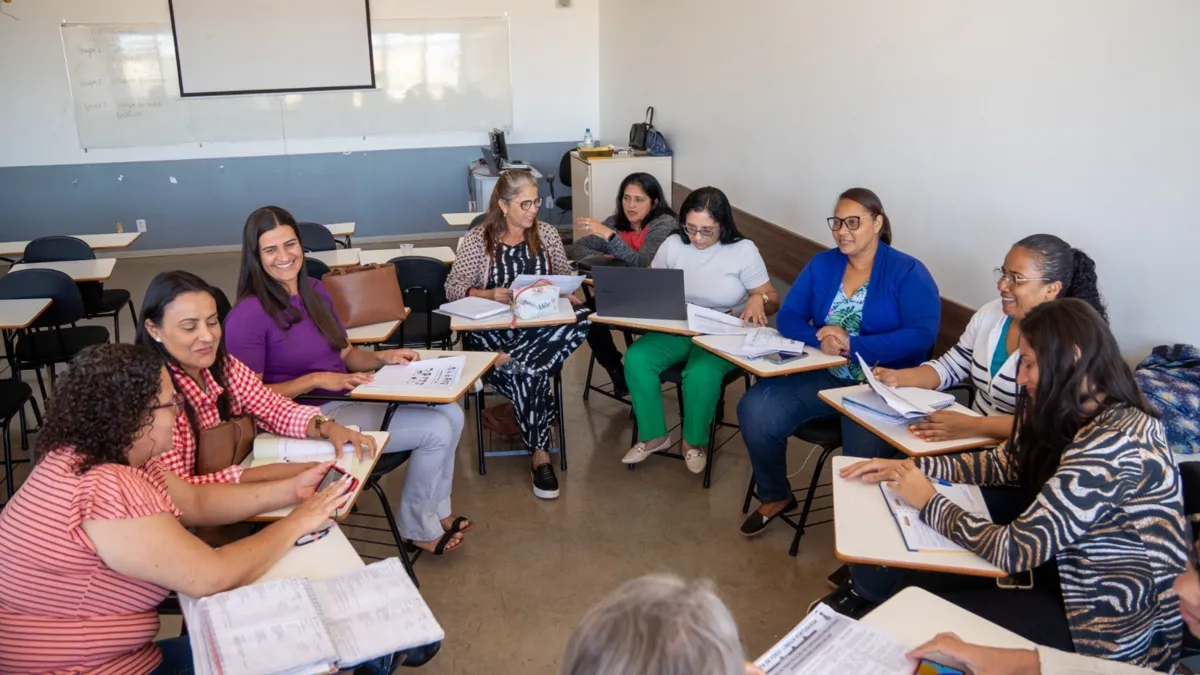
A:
898	403
298	626
473	308
921	538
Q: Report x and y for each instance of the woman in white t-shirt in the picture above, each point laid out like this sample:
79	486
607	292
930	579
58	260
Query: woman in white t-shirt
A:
721	271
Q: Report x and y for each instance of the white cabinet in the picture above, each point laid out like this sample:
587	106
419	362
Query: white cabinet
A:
594	182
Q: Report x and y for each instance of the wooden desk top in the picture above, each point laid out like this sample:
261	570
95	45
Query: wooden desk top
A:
375	332
79	270
383	255
340	229
865	532
98	242
672	326
914	616
565	315
478	363
898	435
460	219
17	314
341	257
361	471
815	359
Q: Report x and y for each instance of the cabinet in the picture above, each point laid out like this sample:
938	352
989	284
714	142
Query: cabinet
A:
594	182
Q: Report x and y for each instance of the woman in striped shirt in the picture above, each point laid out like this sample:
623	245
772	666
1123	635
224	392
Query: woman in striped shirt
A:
1037	269
96	537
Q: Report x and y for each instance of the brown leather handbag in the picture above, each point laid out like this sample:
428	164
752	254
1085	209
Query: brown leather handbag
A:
365	294
217	449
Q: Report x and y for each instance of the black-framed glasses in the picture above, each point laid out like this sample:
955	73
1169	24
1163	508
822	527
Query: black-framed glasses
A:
177	402
528	204
1013	279
852	223
702	232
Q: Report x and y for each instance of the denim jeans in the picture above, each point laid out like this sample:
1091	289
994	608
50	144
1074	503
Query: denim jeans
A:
177	657
774	408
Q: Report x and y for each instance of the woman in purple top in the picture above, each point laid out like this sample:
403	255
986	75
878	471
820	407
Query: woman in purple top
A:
284	328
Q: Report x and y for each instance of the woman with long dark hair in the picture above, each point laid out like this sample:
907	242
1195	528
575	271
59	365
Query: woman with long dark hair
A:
1100	521
285	330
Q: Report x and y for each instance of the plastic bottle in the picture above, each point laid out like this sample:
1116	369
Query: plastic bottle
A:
588	141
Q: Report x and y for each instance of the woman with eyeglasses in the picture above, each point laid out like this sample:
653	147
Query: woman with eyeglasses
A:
633	234
722	271
511	241
861	299
1037	269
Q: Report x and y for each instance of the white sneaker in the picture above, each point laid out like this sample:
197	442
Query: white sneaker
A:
695	459
640	452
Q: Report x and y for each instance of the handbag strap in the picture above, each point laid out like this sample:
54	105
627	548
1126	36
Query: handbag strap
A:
650	116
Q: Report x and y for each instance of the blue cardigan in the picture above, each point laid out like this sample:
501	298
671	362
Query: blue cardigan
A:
900	316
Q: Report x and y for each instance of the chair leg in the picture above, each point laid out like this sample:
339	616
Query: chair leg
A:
41	386
633	437
587	383
37	413
116	327
8	467
712	443
562	422
749	495
479	430
387	511
24	428
808	500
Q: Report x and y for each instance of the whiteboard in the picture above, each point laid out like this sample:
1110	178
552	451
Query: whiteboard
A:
432	75
267	46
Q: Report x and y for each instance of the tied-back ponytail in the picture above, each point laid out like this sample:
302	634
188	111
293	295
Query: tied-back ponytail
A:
1073	268
871	202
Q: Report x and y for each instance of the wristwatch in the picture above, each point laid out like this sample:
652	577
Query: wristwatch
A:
321	421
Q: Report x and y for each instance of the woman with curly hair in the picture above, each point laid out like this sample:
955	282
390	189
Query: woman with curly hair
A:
96	537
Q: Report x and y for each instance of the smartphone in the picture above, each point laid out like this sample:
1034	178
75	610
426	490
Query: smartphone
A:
780	358
927	667
334	475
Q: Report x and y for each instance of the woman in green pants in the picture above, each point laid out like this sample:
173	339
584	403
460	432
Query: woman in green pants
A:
721	271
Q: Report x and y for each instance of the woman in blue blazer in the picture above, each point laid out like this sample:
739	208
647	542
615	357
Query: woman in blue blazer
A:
863	298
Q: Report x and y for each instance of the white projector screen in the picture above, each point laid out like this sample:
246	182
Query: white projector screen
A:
226	47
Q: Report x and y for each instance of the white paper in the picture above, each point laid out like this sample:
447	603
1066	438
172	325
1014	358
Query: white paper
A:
910	402
567	283
473	308
919	536
269	449
769	340
432	374
375	611
827	642
711	322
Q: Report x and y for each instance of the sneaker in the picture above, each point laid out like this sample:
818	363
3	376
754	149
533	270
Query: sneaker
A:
545	483
641	451
695	459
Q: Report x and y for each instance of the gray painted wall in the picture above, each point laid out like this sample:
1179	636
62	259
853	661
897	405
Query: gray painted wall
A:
387	192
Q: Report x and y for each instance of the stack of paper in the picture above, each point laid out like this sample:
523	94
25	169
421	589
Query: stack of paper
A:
770	341
473	308
895	405
920	537
827	642
711	322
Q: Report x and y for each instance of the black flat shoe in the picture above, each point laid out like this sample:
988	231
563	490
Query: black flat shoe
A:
545	482
846	602
839	576
620	387
755	523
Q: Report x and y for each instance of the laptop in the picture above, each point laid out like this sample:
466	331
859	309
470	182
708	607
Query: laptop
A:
637	293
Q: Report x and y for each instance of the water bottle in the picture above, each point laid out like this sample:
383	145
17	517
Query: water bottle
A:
588	141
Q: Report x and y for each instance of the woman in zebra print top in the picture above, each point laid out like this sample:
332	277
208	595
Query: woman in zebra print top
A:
1037	269
1103	513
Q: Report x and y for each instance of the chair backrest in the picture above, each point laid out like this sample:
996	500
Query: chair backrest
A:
1190	475
67	307
422	280
315	268
57	249
316	237
223	306
564	169
477	220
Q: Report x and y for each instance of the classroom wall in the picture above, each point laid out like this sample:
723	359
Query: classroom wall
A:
977	123
388	185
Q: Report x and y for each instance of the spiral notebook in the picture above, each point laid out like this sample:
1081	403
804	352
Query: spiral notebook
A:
304	627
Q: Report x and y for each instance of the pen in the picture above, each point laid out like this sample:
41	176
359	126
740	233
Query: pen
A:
943	482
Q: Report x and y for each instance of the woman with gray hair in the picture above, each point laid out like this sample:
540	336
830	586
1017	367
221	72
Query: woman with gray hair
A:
657	625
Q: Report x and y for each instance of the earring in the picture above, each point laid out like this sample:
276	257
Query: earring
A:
158	340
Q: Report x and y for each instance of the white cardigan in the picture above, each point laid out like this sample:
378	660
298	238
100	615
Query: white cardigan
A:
971	361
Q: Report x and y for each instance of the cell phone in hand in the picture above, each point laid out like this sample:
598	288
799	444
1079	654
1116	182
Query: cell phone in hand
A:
334	475
927	667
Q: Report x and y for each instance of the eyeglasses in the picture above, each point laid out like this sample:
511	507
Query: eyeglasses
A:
1014	279
852	223
177	402
702	232
528	204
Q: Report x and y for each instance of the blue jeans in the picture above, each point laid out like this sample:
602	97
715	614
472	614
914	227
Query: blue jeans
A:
177	657
774	408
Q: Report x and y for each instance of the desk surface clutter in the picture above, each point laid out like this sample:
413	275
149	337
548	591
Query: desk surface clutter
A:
898	435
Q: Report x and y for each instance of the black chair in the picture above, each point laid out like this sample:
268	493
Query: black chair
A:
674	375
316	237
53	337
315	268
386	464
97	301
481	393
477	220
564	203
14	394
827	435
423	283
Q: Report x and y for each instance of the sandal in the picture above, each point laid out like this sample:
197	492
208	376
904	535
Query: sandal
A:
755	523
458	525
441	545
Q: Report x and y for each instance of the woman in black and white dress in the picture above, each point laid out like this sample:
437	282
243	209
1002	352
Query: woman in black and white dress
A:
510	242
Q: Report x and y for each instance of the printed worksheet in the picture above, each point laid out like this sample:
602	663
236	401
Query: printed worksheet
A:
827	642
441	374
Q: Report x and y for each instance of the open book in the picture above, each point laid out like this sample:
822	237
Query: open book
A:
711	322
826	642
895	405
473	308
920	537
303	627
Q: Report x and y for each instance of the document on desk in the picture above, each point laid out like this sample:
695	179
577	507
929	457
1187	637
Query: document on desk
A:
827	642
431	374
711	322
909	403
770	340
567	283
920	537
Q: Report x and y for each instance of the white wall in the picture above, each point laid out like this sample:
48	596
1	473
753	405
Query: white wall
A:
977	122
554	76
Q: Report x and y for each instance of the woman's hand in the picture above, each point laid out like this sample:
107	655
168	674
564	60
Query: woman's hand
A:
341	381
755	312
311	514
398	357
340	436
573	299
906	479
504	295
888	376
836	332
306	483
949	650
945	425
872	470
593	226
831	346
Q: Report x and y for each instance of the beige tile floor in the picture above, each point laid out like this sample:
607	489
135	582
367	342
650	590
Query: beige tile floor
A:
510	598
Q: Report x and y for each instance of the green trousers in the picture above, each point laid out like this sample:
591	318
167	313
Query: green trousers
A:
653	353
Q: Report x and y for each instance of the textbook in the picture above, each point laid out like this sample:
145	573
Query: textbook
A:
473	308
300	626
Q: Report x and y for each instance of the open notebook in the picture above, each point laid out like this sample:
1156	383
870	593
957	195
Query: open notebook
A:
303	627
921	538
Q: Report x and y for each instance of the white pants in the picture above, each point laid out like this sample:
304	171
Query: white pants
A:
432	433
